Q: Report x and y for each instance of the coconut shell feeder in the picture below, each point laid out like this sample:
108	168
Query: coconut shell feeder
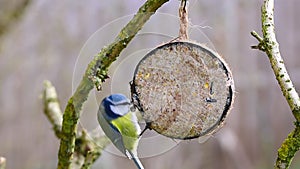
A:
183	89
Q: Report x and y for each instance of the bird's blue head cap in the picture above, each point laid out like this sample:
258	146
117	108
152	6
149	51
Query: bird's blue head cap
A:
116	105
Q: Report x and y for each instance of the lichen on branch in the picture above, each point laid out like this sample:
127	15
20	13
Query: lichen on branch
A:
288	148
52	108
270	46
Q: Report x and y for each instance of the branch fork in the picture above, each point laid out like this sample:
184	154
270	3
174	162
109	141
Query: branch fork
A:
270	46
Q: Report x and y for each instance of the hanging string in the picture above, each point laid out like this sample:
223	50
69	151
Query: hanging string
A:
183	18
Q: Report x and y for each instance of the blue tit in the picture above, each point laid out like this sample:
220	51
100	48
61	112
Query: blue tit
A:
120	125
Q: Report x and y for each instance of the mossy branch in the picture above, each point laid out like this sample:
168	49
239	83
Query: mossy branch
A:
95	75
88	146
270	46
2	163
288	148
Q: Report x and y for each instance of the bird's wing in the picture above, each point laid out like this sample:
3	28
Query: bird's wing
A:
112	133
128	126
125	135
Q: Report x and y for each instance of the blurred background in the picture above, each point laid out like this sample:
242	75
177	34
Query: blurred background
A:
47	41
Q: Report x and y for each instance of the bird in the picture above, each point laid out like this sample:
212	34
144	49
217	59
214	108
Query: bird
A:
120	125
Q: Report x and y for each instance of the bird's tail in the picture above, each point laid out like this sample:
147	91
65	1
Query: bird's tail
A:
136	160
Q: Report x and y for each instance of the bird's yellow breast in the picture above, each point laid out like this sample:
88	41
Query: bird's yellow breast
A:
126	125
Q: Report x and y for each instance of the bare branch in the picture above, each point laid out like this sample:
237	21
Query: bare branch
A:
52	108
270	46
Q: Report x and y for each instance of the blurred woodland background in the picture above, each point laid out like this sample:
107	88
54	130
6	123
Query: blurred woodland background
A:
45	42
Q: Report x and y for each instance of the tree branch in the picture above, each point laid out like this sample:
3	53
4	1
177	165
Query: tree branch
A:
51	107
95	74
92	149
288	149
270	46
88	146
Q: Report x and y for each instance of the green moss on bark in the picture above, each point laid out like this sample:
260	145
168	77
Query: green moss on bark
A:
288	148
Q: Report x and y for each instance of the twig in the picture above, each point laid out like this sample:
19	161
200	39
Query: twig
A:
93	149
51	107
270	46
2	163
95	74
